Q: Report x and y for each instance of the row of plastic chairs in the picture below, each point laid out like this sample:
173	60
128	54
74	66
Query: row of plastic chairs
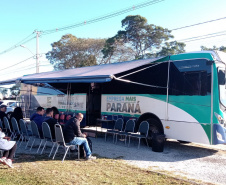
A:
6	127
34	135
47	137
128	131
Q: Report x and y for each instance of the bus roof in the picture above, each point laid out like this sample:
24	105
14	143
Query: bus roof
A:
210	55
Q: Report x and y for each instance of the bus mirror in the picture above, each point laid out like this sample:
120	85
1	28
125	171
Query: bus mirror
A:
221	77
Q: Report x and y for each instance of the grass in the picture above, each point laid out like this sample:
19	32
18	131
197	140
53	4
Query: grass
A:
36	169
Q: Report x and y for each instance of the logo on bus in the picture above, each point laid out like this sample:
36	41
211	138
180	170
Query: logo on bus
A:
122	104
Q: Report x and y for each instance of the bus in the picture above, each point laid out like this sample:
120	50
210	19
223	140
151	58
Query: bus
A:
181	96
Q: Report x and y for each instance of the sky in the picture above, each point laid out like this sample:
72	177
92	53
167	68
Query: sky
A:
19	19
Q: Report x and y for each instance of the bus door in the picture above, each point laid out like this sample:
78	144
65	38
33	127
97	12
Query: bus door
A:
93	104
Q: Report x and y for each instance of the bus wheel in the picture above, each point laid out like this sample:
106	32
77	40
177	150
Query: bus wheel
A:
154	128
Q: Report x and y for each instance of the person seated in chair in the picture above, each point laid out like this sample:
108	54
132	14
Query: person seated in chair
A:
38	118
50	120
3	109
17	114
74	136
9	148
56	113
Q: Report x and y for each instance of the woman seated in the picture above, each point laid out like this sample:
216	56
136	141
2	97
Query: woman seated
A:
9	148
17	114
56	113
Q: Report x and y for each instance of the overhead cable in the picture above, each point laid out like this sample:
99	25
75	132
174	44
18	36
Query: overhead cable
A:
17	63
108	16
198	24
24	41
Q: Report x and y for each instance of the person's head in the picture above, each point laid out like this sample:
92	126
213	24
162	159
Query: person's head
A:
18	111
40	110
55	110
3	108
49	112
79	116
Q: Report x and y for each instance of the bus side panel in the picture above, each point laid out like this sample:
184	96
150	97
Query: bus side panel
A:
133	105
195	126
181	126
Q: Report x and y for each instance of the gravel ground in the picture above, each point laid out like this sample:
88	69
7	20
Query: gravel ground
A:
193	161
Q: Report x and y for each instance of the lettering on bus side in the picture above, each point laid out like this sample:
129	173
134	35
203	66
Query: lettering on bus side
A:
123	104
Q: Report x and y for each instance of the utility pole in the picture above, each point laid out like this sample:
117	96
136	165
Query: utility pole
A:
37	50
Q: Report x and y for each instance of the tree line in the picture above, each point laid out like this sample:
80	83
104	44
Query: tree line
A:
137	40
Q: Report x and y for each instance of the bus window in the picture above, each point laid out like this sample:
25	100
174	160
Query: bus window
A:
190	77
221	77
222	87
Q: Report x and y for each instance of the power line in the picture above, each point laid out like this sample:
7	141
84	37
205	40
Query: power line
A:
108	16
201	36
138	6
205	38
198	24
24	41
17	63
22	69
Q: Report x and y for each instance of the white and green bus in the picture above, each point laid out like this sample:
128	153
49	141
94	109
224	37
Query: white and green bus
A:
182	96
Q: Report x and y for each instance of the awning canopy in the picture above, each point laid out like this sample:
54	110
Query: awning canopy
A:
10	81
99	73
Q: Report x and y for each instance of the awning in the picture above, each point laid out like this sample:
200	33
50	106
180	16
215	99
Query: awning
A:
98	74
10	81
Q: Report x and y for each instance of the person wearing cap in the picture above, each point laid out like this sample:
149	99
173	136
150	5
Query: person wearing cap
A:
3	109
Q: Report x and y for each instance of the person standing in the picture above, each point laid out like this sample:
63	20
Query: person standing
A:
51	122
38	118
74	136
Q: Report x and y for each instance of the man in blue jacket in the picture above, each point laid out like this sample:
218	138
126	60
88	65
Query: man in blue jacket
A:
38	118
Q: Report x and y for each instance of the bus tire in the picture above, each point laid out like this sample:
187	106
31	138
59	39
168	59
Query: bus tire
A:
155	127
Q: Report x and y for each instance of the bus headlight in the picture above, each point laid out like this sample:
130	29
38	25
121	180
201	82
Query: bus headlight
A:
220	119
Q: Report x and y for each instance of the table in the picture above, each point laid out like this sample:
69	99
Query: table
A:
103	121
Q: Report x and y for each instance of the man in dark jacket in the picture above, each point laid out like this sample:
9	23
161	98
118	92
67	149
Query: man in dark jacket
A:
74	136
51	122
38	118
2	111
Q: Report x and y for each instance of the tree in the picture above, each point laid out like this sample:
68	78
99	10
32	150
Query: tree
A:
137	35
171	48
71	52
15	90
115	50
222	48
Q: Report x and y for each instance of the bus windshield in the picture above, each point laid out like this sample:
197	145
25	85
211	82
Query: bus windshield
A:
222	86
